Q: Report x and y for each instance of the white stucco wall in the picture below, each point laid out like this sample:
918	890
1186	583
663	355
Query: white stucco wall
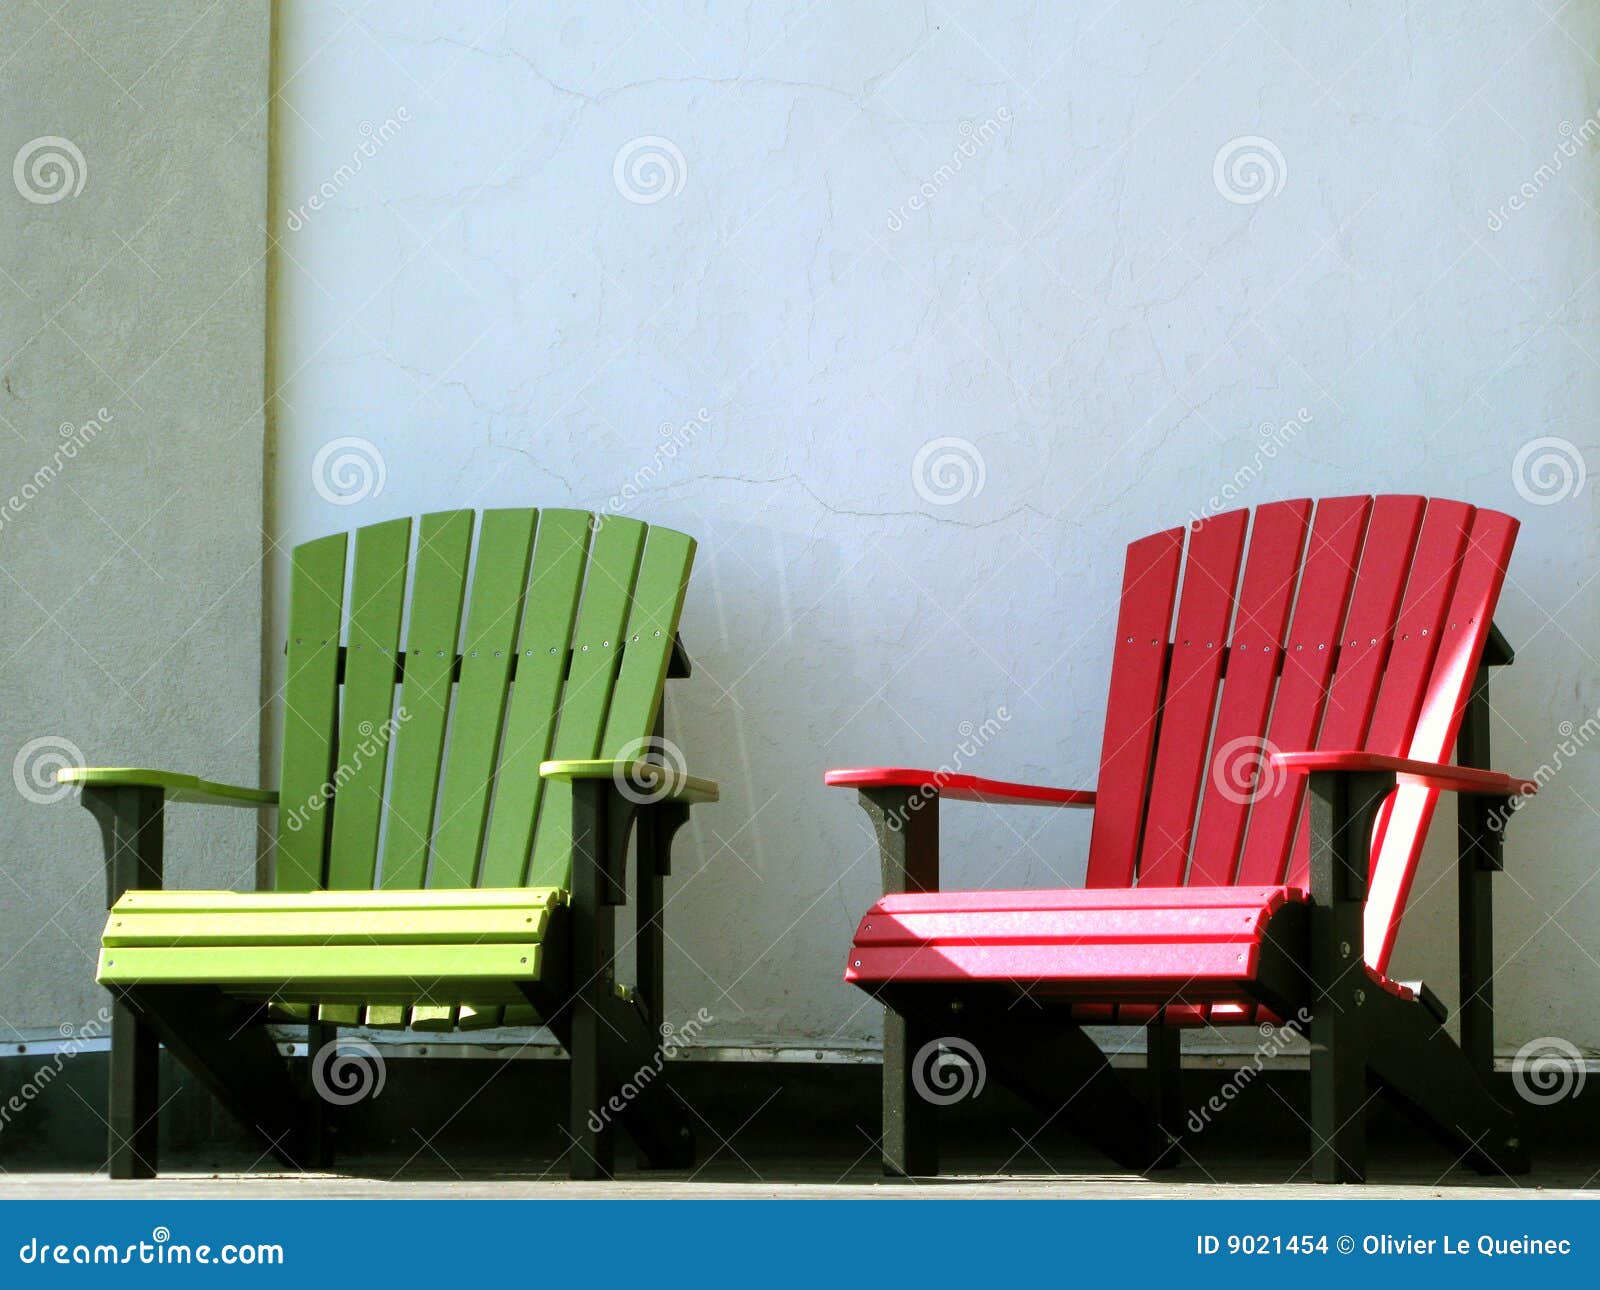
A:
133	178
864	228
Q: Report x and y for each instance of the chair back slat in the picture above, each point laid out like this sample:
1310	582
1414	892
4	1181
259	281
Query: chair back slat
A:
596	649
1273	803
561	546
1138	668
1255	656
310	709
494	611
1205	608
657	602
1461	638
372	661
438	585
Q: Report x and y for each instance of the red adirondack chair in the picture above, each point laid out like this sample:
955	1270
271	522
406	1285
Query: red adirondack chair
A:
1270	763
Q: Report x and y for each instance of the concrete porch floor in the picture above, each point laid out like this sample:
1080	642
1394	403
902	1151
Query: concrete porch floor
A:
759	1175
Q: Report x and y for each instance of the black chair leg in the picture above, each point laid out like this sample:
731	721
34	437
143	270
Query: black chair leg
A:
135	1097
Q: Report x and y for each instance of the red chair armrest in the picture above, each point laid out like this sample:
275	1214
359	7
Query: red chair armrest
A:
1430	774
961	788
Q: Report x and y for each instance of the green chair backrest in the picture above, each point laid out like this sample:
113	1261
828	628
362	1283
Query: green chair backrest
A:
433	752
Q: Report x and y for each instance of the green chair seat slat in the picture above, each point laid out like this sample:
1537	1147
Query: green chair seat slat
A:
386	1016
560	548
336	973
607	592
442	995
505	543
377	597
341	1014
652	627
314	902
311	701
439	582
342	927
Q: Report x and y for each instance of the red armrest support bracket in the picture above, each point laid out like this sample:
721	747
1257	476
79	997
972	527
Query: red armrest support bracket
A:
1429	774
960	788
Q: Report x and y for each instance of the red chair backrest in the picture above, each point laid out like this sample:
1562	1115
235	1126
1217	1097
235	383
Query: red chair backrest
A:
1351	623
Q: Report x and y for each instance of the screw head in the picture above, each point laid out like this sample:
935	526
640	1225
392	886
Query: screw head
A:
1344	949
1360	997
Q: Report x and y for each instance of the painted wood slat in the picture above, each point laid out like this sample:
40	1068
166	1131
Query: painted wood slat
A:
1064	926
560	549
327	901
652	626
1461	641
505	543
377	597
356	971
310	710
1144	618
1338	529
1211	574
607	593
1367	638
438	584
1255	655
1145	970
1108	898
343	927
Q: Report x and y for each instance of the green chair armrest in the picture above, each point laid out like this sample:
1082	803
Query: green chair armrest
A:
175	787
663	783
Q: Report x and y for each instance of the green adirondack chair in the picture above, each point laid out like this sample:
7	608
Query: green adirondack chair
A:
452	835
